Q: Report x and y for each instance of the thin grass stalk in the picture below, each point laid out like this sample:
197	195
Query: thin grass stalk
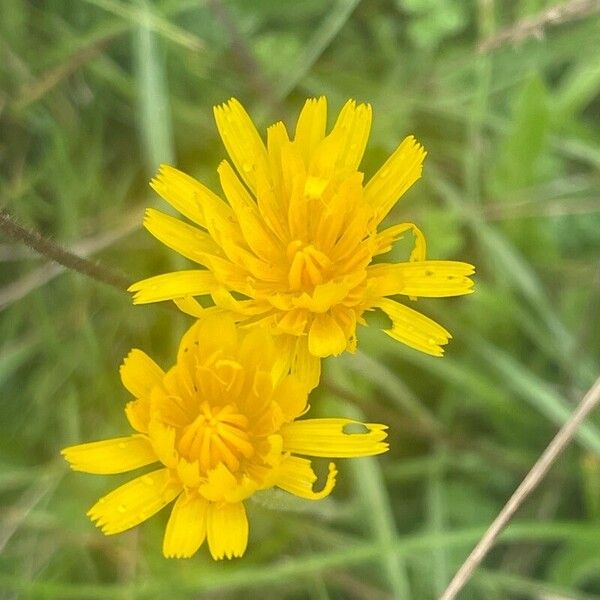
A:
537	473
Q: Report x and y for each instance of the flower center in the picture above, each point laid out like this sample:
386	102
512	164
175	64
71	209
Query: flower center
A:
307	265
217	435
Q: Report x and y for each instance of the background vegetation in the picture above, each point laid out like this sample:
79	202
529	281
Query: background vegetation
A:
94	94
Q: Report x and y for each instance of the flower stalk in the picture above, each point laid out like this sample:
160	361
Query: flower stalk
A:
53	251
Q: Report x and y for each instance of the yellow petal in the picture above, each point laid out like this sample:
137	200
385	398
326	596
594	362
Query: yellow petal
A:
325	336
172	404
138	414
107	457
396	175
241	140
346	319
227	529
139	373
291	395
299	209
262	270
310	128
162	438
189	241
334	438
214	335
292	321
240	200
414	329
186	529
339	211
277	140
232	275
257	350
297	477
342	149
134	502
258	238
429	278
353	237
173	285
198	203
271	205
220	222
181	191
304	365
386	239
190	306
189	473
325	295
218	484
352	126
285	356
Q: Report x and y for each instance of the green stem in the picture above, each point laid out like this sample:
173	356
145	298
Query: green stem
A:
51	250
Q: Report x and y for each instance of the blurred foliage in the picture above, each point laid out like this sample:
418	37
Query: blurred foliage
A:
94	94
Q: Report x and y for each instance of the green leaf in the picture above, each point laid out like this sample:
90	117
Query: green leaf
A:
522	149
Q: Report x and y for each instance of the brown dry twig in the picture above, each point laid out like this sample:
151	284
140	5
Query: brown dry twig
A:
537	473
534	26
50	249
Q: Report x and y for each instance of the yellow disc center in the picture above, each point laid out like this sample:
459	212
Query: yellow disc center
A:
308	266
217	435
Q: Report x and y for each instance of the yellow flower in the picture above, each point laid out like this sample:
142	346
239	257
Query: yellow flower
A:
223	423
293	246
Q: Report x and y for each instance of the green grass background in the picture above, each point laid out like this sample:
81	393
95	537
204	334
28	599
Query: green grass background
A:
95	93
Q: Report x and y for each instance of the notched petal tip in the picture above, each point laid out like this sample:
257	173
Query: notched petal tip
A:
134	287
316	100
222	106
223	165
163	169
67	454
227	530
147	216
227	107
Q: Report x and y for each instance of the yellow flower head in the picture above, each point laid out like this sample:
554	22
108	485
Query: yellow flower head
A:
223	424
293	246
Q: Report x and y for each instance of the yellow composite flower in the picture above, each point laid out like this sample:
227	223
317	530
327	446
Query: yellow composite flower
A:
294	246
222	423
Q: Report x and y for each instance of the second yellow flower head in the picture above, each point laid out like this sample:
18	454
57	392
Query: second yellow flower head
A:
222	424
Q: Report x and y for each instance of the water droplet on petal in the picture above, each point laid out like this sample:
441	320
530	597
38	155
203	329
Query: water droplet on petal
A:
384	173
247	167
122	508
148	480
